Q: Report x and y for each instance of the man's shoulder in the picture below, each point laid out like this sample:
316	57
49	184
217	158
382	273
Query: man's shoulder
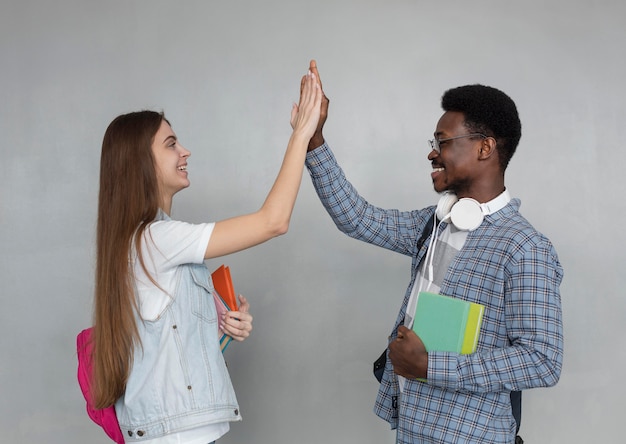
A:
513	232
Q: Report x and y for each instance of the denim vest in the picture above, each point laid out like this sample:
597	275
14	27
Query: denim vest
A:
179	378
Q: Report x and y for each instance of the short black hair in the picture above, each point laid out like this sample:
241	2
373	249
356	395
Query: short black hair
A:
489	111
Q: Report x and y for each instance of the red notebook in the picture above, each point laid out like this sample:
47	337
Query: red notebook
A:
225	298
223	284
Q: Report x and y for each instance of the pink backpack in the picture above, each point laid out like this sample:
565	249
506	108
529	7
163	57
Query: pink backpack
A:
105	418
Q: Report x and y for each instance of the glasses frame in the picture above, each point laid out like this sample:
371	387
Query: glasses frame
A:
434	143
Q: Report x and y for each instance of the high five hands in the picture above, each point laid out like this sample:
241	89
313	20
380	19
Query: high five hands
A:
318	137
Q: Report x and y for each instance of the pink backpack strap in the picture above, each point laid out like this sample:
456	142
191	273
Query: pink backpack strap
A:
105	418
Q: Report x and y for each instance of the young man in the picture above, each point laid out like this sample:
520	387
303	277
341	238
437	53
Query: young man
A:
483	251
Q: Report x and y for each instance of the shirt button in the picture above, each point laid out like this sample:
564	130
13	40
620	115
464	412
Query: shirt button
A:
140	433
236	412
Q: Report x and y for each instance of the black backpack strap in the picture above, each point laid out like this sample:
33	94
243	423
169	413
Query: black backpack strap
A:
516	407
427	231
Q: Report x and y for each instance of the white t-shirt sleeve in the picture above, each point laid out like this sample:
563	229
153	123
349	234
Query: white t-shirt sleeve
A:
166	244
172	243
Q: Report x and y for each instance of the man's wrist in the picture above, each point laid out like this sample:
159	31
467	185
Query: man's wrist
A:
423	366
316	141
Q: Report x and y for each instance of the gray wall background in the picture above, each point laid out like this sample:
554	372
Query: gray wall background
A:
226	74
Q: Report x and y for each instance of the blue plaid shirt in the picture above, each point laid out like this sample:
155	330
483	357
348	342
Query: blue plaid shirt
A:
505	265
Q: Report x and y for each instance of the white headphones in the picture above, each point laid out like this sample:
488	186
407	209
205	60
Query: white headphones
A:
467	214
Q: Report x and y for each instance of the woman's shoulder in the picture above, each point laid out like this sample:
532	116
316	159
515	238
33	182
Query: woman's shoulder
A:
177	241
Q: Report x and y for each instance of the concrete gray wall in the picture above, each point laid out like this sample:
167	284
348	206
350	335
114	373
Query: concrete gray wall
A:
226	74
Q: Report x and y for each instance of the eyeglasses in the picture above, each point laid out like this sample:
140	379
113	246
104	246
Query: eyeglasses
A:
434	143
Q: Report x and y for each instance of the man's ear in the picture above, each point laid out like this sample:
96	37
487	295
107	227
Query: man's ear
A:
487	148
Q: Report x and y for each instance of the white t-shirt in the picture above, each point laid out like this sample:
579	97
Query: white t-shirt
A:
167	244
447	246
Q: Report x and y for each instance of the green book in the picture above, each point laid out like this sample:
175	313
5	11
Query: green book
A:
444	323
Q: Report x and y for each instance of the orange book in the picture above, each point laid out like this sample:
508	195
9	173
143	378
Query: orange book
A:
223	284
224	298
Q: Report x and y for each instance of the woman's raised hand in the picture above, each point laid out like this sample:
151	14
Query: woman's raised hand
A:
306	114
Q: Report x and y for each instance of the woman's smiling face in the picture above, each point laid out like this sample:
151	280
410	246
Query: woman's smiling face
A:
170	159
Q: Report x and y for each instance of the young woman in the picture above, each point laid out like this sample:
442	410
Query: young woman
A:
156	355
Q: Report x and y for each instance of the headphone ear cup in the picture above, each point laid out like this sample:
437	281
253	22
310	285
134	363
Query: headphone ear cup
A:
445	204
467	214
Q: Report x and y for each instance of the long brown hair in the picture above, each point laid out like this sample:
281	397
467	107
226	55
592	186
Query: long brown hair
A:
128	201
